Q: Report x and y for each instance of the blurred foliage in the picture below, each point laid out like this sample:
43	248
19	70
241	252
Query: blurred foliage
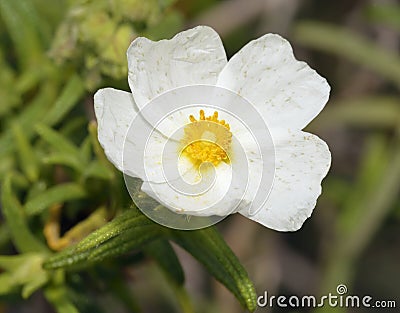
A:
53	169
68	230
370	200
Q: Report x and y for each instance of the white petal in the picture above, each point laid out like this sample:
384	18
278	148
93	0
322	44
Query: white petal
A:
150	154
261	168
194	56
302	161
114	109
212	202
163	146
287	92
162	157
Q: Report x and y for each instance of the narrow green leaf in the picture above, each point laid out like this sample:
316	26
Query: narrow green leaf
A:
35	189
7	164
69	97
128	219
370	172
59	158
342	42
183	298
10	97
26	155
22	32
369	112
57	141
7	284
163	253
381	180
32	113
386	14
13	212
33	18
73	126
18	180
130	240
36	283
24	270
67	258
10	263
209	248
130	230
85	150
57	194
98	150
66	152
97	169
4	235
6	144
59	298
29	79
37	108
52	11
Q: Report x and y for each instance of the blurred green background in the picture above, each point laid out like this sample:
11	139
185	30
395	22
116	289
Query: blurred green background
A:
57	186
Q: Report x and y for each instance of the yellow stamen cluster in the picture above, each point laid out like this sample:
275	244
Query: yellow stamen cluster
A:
211	118
207	139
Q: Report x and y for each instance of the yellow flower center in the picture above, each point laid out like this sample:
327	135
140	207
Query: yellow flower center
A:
207	140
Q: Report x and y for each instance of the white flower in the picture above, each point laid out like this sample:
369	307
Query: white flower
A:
287	93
